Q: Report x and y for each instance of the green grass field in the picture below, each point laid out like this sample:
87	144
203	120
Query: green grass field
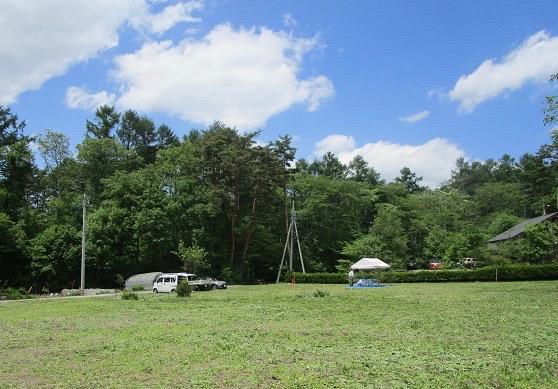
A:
469	335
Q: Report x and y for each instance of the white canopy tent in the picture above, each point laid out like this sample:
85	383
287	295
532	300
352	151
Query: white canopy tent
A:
369	264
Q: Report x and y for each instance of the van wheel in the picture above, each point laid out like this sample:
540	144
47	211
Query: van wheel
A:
155	291
173	290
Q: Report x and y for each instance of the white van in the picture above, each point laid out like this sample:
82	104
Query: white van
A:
167	283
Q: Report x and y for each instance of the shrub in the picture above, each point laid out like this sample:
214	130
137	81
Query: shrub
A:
15	293
126	295
137	288
120	281
184	289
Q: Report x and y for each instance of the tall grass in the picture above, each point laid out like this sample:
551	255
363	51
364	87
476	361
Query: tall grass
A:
405	335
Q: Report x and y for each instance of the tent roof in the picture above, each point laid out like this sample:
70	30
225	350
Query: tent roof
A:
369	264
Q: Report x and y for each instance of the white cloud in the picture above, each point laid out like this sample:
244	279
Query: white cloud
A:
438	92
82	99
42	39
335	144
534	60
433	160
240	77
415	118
289	20
296	138
166	19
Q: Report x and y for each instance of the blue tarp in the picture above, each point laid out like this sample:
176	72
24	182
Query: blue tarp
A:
366	283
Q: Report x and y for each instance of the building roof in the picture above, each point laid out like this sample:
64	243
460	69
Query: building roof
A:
517	230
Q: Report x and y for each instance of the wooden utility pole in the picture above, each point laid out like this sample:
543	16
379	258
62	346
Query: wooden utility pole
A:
84	204
289	244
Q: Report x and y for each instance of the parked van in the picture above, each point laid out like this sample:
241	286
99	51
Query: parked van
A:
167	283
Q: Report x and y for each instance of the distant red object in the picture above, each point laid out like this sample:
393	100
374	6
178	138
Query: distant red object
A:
435	264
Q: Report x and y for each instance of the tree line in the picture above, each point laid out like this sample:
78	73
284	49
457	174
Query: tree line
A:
217	201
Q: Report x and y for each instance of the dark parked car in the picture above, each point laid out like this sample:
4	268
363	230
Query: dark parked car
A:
207	283
412	264
435	264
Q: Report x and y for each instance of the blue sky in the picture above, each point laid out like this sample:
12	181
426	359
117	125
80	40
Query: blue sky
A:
402	83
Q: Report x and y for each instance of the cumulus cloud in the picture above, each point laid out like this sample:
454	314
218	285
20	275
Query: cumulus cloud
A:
82	99
241	77
36	47
433	160
534	60
337	144
417	117
43	39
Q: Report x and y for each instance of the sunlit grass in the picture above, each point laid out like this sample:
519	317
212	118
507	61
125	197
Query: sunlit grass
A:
404	335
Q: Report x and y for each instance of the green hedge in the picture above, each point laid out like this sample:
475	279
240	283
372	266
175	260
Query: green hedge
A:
500	273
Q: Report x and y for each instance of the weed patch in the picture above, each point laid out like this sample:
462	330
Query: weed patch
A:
321	293
15	294
127	295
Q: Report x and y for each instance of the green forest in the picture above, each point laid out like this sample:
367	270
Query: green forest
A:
218	202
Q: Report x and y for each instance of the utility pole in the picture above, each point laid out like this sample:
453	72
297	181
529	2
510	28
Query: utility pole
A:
84	204
289	244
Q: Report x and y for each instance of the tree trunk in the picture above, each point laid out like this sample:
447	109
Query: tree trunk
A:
249	234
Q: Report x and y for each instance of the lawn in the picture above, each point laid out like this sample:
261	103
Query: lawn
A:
465	335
